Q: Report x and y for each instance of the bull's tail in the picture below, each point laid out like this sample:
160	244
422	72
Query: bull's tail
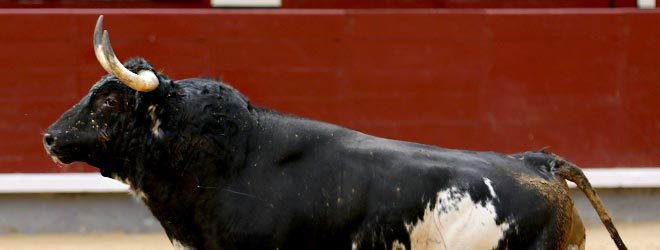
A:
574	174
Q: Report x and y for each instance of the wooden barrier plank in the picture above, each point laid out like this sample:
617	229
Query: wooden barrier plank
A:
583	82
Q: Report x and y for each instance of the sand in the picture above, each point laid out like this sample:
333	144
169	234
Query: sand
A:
636	235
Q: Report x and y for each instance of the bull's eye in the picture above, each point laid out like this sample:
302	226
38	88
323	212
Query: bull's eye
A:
110	102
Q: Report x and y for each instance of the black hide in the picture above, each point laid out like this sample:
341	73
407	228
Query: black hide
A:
219	173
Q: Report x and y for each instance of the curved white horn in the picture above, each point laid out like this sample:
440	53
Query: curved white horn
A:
98	46
144	81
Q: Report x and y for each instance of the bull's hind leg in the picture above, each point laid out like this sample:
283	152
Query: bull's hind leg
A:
577	236
556	225
564	231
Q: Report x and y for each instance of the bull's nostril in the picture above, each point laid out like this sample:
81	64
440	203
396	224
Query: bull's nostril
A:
49	139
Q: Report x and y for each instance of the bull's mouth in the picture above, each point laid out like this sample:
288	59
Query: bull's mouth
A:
58	161
61	161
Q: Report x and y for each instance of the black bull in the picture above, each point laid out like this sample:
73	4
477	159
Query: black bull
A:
220	173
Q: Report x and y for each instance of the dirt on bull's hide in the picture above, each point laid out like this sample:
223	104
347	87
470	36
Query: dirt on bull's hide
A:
556	195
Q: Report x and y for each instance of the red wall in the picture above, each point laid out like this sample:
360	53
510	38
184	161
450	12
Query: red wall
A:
583	82
333	4
105	3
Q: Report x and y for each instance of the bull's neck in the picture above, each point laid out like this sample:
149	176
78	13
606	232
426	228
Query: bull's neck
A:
178	170
190	161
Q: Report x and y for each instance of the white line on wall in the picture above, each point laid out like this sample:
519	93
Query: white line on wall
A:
247	3
646	4
95	183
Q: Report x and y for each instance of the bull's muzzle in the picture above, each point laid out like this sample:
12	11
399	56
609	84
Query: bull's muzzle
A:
48	142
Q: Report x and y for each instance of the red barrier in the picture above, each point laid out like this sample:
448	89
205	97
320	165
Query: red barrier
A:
106	4
332	4
583	82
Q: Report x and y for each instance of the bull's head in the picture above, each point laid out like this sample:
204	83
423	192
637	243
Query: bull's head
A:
97	129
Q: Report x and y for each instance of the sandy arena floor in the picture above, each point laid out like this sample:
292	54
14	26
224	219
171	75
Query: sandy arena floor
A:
635	235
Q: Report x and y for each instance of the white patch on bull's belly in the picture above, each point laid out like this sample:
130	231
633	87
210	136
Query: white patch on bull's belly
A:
456	222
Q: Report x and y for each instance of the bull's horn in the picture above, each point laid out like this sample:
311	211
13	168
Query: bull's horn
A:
143	81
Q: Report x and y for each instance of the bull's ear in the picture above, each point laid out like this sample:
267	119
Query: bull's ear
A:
136	64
